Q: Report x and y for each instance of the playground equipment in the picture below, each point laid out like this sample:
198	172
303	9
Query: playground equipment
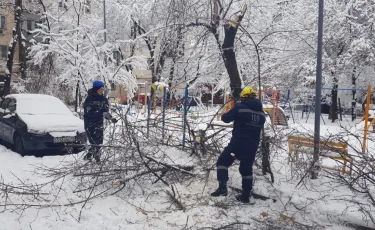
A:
366	114
160	91
352	99
339	103
277	115
272	108
142	97
228	102
164	88
366	118
287	100
334	150
312	106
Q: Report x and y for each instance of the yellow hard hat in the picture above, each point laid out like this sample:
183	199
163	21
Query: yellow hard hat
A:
247	92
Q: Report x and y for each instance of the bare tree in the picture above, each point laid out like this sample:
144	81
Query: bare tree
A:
12	45
227	48
21	47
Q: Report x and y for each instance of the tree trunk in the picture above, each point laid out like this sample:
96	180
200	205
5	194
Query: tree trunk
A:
171	76
22	51
230	61
12	45
160	64
151	44
177	53
354	99
334	110
229	55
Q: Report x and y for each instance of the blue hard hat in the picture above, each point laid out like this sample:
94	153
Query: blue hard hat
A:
97	84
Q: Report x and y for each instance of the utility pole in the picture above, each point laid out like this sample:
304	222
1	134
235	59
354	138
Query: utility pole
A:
318	91
104	22
105	41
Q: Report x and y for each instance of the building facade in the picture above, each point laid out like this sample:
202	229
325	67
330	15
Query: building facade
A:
29	19
143	76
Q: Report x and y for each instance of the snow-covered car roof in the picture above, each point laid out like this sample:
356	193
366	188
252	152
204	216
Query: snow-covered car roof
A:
46	114
39	104
30	95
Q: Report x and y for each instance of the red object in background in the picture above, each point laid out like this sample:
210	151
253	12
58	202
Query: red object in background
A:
218	98
123	99
141	99
270	93
229	105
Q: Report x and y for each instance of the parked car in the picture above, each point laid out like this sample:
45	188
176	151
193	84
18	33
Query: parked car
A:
39	122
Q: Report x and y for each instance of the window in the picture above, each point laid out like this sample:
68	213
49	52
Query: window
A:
30	25
2	22
88	6
12	105
5	103
62	3
1	90
113	86
3	52
149	63
117	57
37	24
128	67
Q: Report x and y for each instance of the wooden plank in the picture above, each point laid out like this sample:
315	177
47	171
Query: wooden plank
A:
322	147
298	144
322	141
328	145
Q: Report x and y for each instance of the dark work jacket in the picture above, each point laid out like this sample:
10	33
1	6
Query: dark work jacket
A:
94	107
249	119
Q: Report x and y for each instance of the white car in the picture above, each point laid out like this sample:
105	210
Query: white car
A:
39	122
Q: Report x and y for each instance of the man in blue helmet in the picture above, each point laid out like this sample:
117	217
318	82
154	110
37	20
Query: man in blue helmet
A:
249	119
96	107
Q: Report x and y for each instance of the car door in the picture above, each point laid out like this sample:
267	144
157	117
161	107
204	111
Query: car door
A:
3	107
9	120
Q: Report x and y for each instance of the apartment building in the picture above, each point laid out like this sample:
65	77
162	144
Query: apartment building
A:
7	23
143	76
6	27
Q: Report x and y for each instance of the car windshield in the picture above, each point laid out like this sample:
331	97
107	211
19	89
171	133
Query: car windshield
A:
41	105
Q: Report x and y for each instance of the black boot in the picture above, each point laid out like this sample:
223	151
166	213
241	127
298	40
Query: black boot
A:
96	154
222	190
88	156
244	197
97	159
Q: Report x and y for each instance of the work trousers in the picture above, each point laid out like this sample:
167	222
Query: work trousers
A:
246	166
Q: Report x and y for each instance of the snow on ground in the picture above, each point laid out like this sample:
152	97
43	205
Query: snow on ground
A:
320	201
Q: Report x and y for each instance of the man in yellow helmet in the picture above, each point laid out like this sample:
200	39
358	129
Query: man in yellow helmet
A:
249	119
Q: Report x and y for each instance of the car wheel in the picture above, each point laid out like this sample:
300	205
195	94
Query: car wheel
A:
18	145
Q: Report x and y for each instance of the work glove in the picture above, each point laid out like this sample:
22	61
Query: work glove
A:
114	120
